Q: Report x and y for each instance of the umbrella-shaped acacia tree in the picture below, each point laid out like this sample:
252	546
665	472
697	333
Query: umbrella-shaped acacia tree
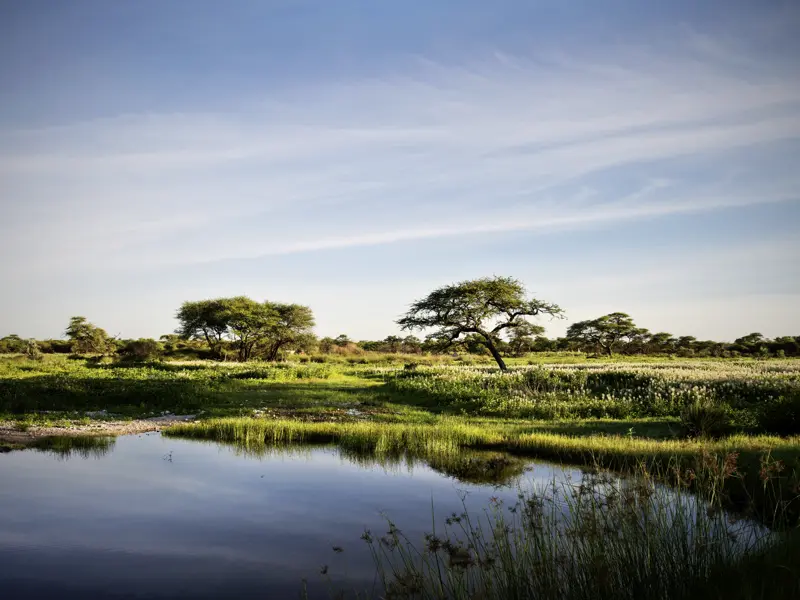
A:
490	307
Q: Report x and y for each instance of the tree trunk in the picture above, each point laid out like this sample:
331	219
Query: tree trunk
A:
608	351
500	362
272	353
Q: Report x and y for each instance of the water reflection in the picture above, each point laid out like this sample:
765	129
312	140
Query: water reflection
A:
66	447
148	516
466	466
169	518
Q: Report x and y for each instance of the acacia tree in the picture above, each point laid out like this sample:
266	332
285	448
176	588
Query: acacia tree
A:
291	326
485	309
205	319
248	325
87	338
605	332
661	342
522	339
393	344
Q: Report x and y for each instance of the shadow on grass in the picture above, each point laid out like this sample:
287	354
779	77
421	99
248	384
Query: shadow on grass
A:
135	396
154	365
71	393
640	428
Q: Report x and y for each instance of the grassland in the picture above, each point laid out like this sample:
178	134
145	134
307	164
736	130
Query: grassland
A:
728	430
618	414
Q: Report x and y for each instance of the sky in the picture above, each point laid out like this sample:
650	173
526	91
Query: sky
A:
354	155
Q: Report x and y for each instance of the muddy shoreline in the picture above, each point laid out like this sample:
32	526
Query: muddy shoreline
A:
12	436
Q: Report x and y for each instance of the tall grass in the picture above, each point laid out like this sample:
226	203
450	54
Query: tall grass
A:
599	538
752	394
757	456
447	437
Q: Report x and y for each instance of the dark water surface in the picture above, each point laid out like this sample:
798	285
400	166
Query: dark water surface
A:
164	518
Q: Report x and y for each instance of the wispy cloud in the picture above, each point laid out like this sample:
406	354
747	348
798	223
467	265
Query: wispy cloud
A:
509	144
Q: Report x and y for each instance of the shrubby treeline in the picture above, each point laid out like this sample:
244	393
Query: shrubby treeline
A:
488	316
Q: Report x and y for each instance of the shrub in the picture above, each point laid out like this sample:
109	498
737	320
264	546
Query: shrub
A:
31	350
782	415
141	350
705	419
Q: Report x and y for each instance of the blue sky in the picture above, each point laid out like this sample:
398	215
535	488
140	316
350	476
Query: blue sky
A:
353	155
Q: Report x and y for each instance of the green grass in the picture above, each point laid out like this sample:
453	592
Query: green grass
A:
602	538
755	395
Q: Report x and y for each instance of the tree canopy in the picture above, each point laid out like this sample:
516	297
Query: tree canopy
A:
485	309
87	338
251	327
605	332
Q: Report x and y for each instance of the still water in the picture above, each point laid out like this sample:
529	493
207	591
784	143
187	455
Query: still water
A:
156	517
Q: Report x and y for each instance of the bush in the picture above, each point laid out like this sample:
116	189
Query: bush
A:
705	419
141	350
781	416
32	351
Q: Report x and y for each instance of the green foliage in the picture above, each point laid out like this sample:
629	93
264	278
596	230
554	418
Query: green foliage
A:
393	344
11	344
253	328
204	319
141	350
605	332
705	419
31	350
87	338
522	340
781	414
485	309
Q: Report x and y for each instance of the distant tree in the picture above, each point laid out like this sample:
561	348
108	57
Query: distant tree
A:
751	339
249	326
342	340
523	339
753	343
393	343
412	345
606	332
544	344
637	342
55	346
370	345
32	351
305	343
487	308
661	342
326	344
87	338
787	344
291	326
205	319
473	343
12	344
143	349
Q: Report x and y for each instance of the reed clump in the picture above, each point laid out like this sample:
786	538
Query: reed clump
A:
600	537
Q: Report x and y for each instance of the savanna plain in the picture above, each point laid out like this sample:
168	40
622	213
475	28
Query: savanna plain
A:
692	465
